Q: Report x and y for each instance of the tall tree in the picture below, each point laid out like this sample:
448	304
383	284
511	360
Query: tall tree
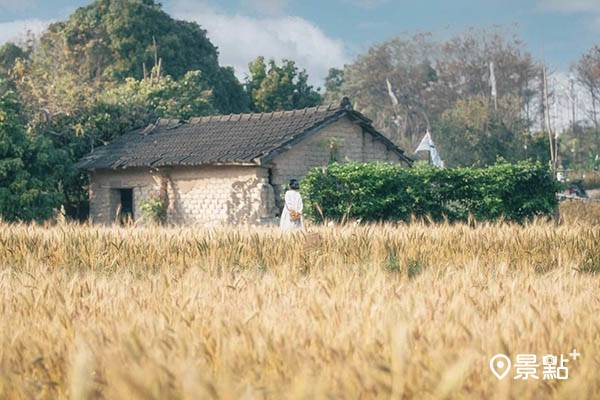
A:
274	87
480	132
110	40
401	67
334	82
30	168
587	73
410	84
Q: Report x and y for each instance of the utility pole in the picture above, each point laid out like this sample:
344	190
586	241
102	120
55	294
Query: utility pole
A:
547	128
573	121
552	138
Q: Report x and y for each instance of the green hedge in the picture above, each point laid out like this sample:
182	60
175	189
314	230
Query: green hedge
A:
380	191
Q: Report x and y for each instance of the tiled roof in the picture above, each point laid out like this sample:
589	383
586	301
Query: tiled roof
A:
225	139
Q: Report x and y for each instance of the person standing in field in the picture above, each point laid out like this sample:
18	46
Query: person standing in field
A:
291	216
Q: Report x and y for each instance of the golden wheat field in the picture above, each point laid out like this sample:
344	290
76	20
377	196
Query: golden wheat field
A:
355	312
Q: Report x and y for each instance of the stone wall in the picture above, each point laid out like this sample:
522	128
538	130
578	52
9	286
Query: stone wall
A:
344	138
210	195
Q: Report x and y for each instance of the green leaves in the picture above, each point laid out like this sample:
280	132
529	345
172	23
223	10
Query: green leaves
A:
101	45
30	168
272	87
147	99
379	191
154	210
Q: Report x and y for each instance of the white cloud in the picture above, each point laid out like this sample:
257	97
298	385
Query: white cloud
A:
15	30
241	39
570	6
588	8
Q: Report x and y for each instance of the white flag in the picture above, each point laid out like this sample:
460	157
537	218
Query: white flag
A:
428	145
493	80
391	92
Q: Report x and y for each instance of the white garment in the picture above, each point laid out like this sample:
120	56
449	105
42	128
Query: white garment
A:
293	201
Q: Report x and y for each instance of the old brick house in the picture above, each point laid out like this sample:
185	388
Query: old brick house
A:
226	169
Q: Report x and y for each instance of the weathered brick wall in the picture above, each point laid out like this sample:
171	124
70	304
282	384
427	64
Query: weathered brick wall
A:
104	195
202	195
352	145
220	194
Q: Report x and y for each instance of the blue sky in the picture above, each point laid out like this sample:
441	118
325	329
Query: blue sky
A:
321	34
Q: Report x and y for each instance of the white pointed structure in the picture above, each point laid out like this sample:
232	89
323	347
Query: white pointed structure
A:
428	145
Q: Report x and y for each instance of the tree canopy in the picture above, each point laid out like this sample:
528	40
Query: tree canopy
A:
273	87
411	84
110	40
30	167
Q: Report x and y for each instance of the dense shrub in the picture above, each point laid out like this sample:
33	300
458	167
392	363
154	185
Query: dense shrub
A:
379	191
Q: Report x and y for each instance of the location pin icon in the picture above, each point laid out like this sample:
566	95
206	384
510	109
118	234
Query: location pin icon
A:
500	365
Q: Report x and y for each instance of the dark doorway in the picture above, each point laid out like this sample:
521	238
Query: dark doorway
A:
126	214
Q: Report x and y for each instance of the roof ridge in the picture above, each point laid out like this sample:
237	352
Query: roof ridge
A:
167	121
255	115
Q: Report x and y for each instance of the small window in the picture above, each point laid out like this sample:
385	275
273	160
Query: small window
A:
126	206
